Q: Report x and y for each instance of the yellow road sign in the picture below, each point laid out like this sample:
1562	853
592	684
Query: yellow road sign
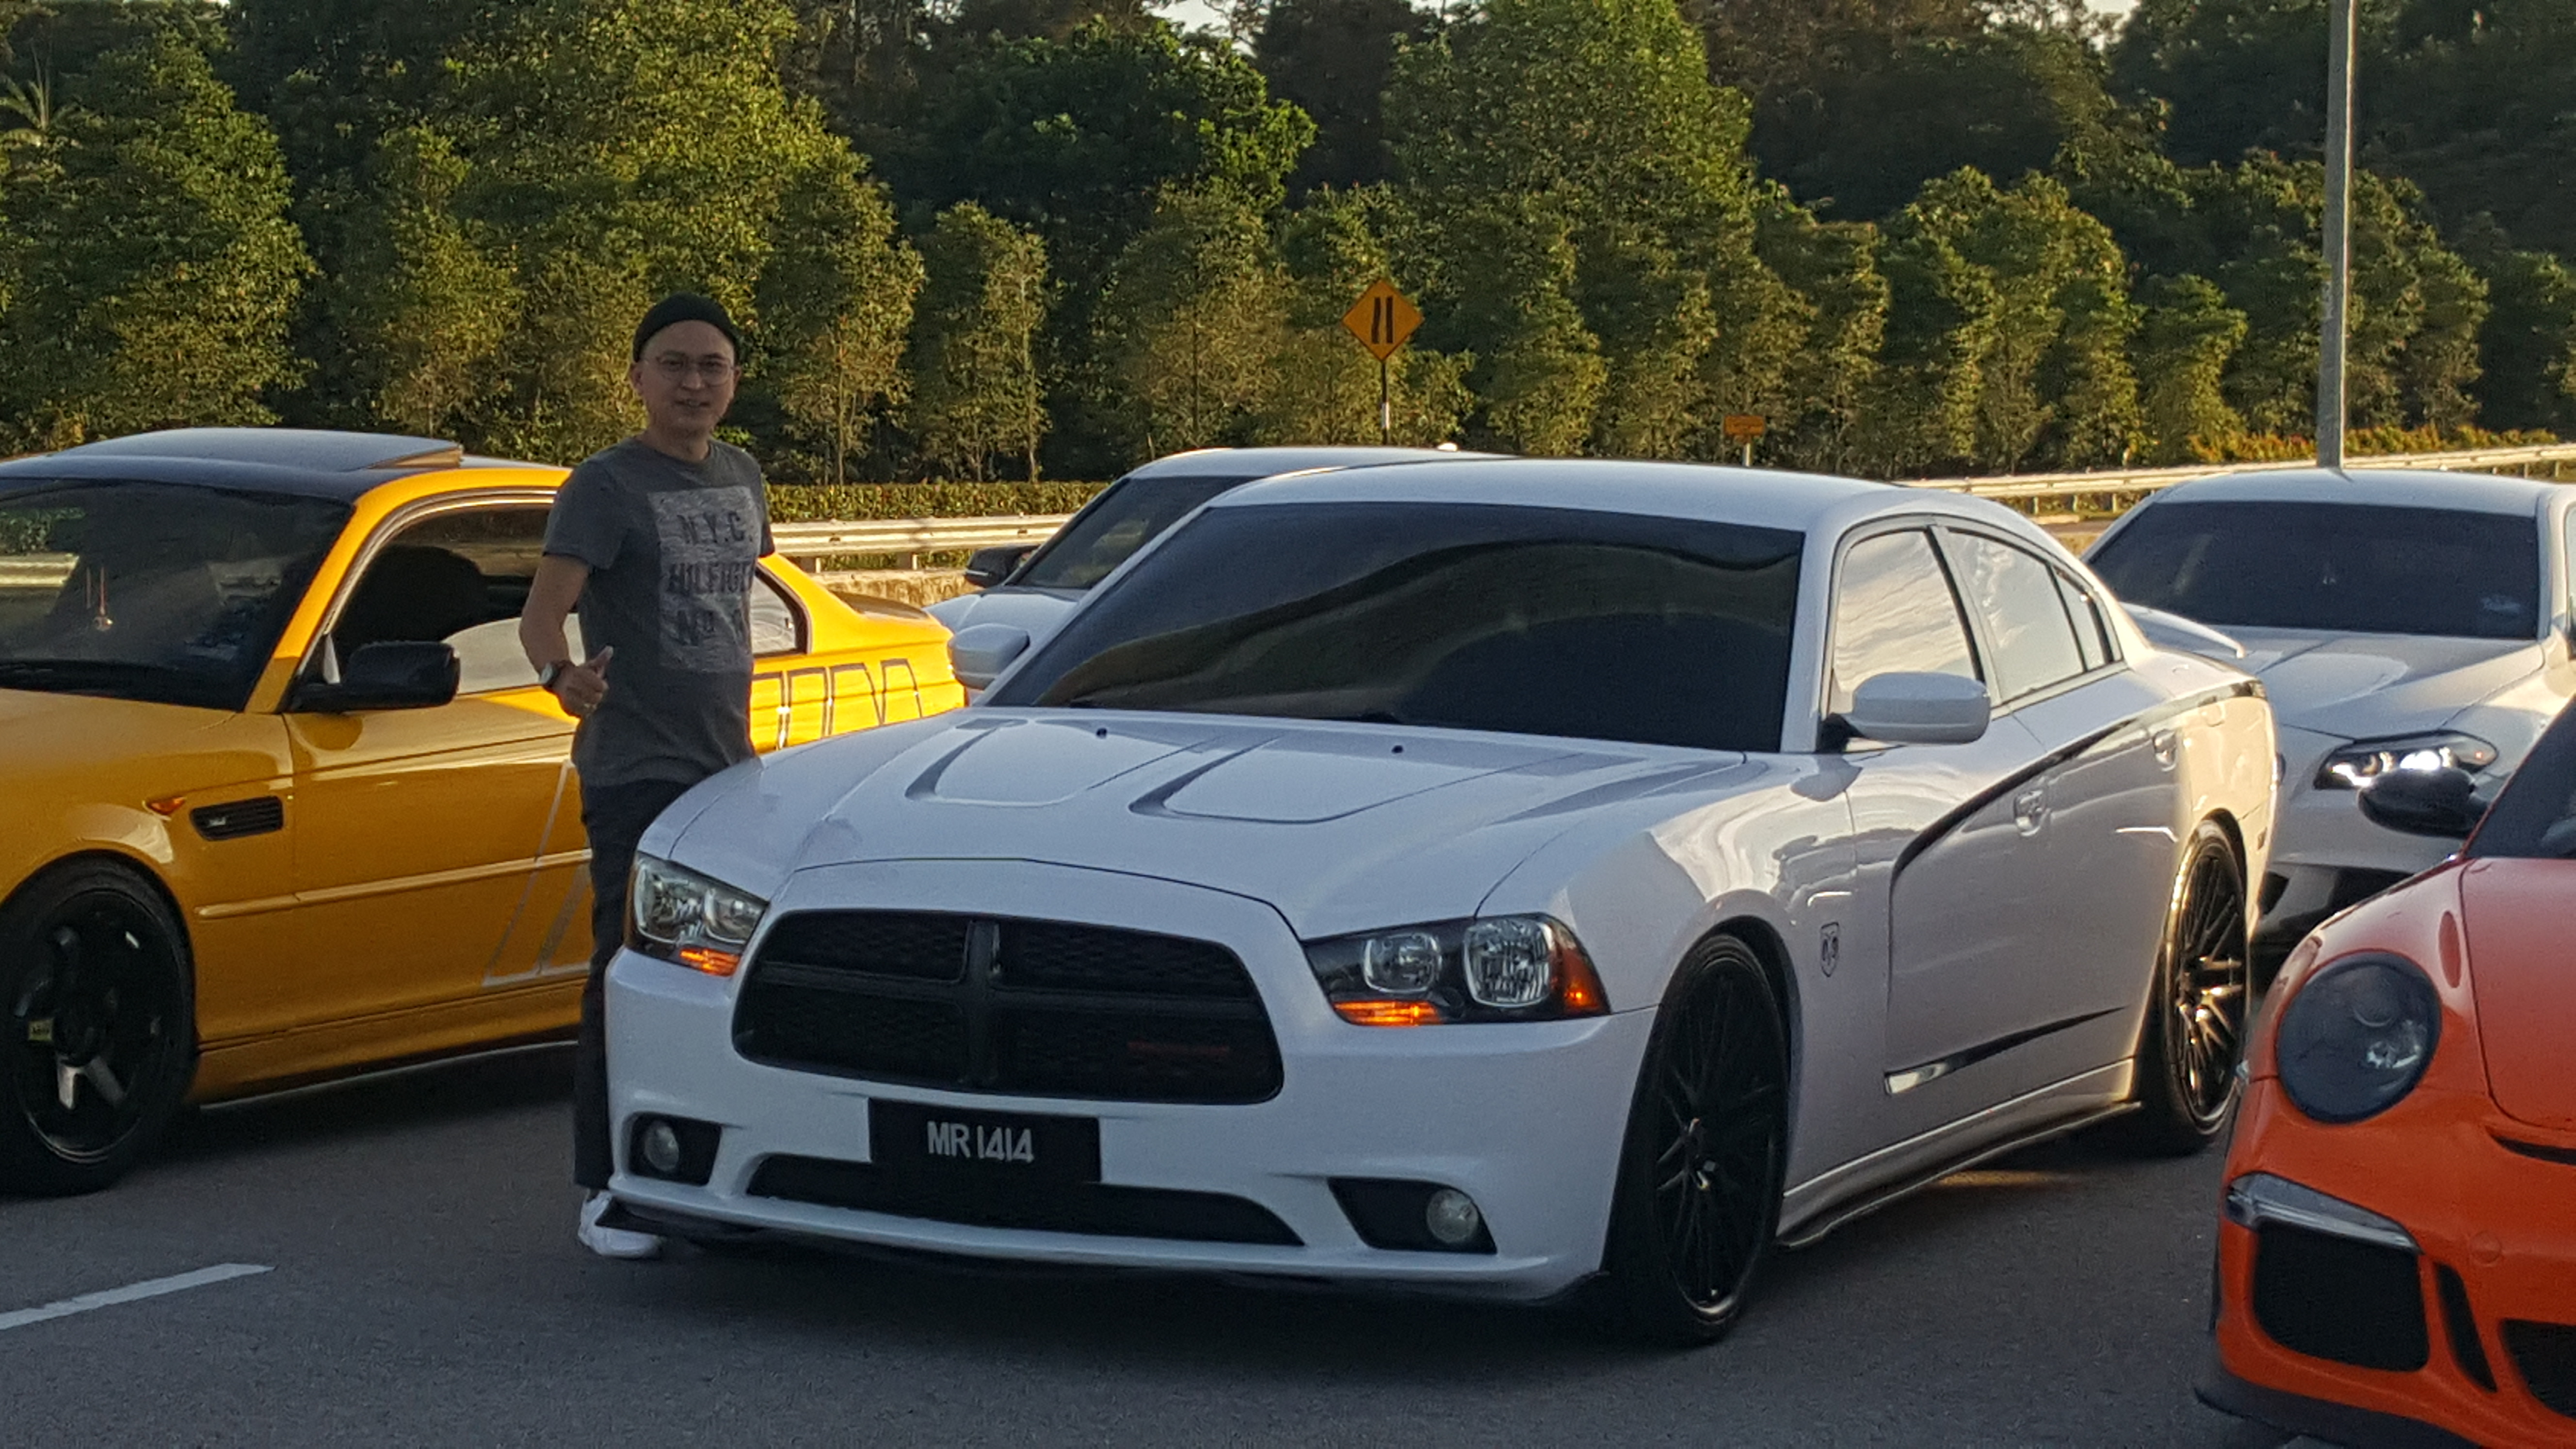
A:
1743	427
1382	319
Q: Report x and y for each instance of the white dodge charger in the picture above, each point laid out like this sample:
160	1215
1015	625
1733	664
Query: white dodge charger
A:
1492	876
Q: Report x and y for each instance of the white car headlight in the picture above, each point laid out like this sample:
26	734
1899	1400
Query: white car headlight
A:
1500	968
682	917
2357	764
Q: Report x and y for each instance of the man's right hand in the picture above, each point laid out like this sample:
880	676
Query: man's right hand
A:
583	686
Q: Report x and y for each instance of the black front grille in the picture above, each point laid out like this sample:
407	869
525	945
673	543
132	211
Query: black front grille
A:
2545	1353
997	1005
1101	1209
2333	1298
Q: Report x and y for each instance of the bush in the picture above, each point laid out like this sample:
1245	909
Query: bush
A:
818	503
2365	442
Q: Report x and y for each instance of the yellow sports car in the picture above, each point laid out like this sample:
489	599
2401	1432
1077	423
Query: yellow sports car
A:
259	827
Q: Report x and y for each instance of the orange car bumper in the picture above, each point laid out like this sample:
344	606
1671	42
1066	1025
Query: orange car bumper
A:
2428	1298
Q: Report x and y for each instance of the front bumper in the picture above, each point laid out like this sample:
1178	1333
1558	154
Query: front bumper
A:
1527	1119
2327	855
2448	1343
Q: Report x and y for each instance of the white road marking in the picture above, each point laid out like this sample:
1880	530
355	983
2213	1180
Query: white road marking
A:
129	1293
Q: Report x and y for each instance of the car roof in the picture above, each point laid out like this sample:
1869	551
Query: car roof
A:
2382	487
1760	497
309	461
1251	463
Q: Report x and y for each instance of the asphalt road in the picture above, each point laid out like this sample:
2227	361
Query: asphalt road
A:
424	1287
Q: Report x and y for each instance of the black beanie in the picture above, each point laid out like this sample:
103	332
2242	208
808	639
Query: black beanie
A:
686	307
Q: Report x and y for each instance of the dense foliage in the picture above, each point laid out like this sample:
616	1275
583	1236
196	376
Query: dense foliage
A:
988	239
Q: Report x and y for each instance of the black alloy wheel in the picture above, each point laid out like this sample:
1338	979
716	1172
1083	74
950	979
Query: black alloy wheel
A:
97	1028
1698	1197
2194	1031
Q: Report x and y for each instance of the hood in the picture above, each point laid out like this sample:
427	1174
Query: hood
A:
1340	827
45	734
2523	966
2367	686
1038	611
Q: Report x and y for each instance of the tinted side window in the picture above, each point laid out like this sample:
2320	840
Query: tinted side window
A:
1894	614
458	578
2092	631
776	626
2016	597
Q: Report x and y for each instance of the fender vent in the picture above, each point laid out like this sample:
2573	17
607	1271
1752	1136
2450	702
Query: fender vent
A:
236	818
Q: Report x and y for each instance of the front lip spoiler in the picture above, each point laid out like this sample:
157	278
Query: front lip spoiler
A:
2259	1198
2344	1424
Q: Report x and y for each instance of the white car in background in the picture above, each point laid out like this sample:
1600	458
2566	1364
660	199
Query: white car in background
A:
1485	876
1032	587
2399	621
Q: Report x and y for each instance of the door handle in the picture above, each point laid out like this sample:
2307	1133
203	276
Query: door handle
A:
2030	810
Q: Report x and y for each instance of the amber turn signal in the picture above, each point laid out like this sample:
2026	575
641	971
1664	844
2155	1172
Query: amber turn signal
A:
1379	1011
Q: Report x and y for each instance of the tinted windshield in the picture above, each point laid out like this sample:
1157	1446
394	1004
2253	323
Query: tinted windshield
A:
1119	522
2535	818
1527	620
149	591
2331	568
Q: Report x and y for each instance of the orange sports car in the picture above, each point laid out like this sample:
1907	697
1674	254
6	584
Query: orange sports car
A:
2397	1256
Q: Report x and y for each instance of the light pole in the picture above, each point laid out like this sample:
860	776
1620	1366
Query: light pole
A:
2338	232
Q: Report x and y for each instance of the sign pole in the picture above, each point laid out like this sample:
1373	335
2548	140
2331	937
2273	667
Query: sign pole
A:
2338	234
1383	319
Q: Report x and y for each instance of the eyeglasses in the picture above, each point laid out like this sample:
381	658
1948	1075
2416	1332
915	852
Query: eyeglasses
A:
675	368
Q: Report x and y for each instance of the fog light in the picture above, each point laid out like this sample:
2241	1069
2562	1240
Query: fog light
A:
1451	1217
661	1147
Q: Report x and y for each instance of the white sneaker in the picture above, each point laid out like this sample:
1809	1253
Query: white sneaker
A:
613	1242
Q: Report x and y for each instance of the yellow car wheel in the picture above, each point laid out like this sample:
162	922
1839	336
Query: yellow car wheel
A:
97	1027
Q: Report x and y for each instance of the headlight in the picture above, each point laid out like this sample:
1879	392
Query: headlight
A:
2358	764
2357	1037
685	918
1499	968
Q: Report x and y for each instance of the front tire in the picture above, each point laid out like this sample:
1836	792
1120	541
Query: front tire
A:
97	1028
1698	1197
2194	1031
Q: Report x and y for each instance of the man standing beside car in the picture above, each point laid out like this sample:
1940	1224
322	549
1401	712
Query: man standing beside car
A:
654	539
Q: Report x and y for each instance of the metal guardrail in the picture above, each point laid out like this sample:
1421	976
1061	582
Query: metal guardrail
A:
2148	480
910	538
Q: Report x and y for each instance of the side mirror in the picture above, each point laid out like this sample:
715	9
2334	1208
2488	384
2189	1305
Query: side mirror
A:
383	676
1919	709
2442	804
986	567
980	654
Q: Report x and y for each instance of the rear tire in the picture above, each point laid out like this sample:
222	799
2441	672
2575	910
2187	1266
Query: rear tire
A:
97	1028
1700	1176
2194	1031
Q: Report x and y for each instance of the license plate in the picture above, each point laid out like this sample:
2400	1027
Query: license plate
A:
914	1140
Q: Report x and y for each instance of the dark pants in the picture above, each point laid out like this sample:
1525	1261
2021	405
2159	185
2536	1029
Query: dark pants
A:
616	817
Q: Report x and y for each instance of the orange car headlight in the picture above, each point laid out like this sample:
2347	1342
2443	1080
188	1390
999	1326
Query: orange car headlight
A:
2358	1036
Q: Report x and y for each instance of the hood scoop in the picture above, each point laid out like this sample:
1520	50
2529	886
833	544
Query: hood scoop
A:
1287	782
1040	762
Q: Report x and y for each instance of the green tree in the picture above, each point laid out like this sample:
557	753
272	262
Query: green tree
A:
2528	345
1538	374
836	307
1332	59
1595	118
1832	267
1943	314
2186	338
1195	309
1323	387
419	316
976	389
151	264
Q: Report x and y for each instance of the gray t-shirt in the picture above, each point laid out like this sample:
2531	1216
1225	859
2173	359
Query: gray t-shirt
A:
670	546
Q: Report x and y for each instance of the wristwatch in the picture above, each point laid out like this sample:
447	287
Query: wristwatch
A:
547	676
